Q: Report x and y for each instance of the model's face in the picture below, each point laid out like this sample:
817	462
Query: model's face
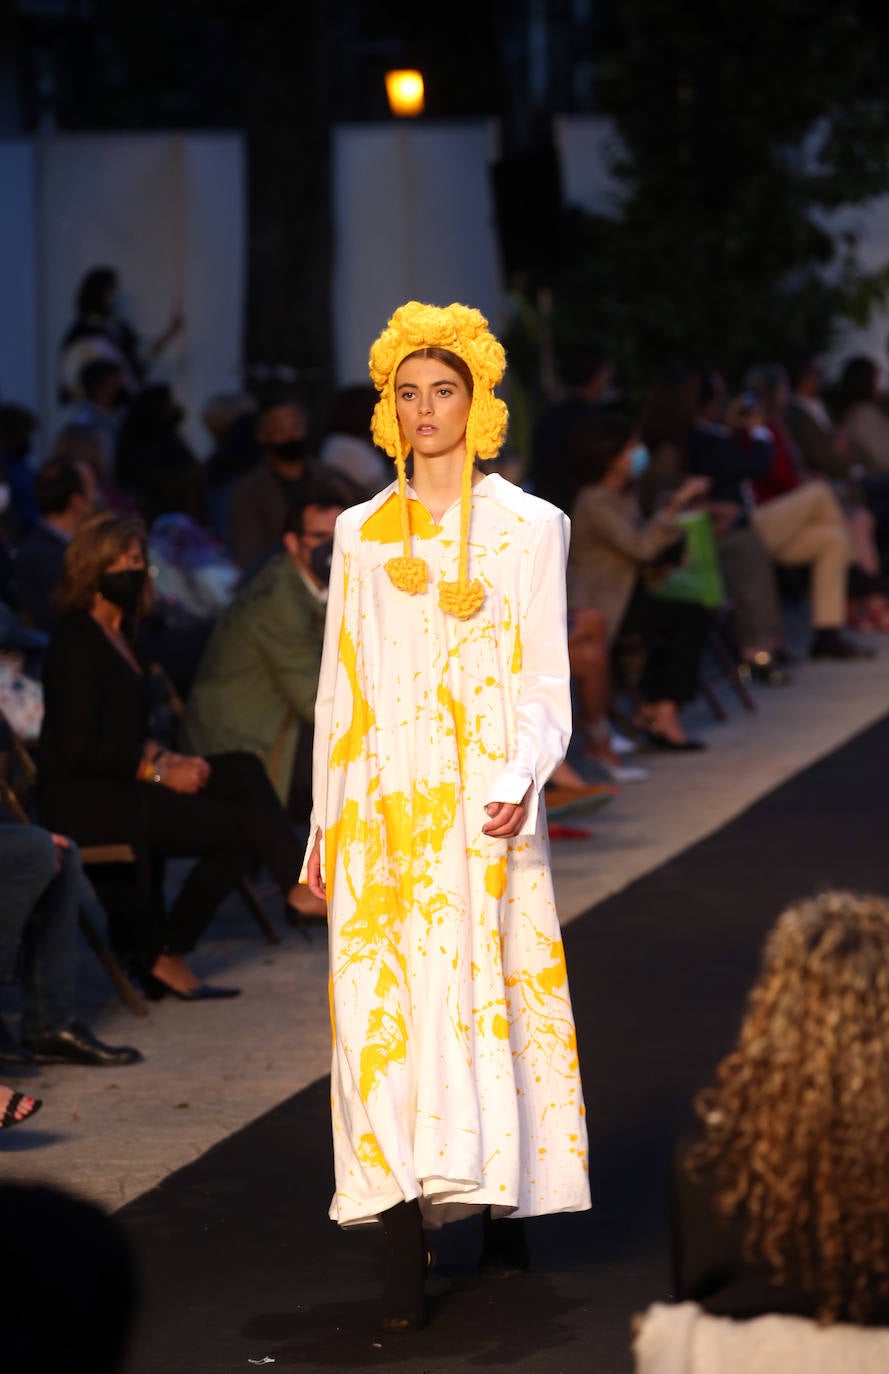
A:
433	403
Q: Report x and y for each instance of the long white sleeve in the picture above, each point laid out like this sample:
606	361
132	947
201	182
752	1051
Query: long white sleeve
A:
543	708
324	699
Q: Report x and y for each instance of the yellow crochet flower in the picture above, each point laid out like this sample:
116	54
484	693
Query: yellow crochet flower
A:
463	331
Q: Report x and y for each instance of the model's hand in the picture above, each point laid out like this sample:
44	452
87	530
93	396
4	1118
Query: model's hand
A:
506	818
314	881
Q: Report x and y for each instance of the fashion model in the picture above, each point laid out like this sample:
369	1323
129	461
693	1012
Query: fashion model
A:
443	707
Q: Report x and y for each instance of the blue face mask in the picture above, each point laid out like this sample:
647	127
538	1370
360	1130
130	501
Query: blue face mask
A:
640	460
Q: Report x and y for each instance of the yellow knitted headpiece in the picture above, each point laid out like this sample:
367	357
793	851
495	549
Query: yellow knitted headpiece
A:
463	331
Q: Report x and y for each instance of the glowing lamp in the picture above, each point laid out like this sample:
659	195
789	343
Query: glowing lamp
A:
404	90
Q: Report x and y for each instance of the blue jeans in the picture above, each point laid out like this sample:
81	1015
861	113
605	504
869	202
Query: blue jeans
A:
38	925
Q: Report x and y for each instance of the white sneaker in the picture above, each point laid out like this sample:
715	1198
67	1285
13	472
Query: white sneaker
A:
621	745
623	772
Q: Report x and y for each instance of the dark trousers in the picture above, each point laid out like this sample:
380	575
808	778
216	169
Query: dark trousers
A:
38	925
234	822
674	633
299	800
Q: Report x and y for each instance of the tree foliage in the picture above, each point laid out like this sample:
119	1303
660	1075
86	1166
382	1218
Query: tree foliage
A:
741	128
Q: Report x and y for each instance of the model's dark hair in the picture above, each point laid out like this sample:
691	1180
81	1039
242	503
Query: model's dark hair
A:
326	490
858	382
55	484
451	360
94	289
595	444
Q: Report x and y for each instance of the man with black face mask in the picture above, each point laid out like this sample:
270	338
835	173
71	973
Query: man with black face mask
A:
260	501
255	688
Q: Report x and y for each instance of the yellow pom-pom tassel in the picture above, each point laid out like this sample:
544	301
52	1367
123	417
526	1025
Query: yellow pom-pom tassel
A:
460	599
408	574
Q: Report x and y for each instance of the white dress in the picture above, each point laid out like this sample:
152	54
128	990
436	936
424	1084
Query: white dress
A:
455	1075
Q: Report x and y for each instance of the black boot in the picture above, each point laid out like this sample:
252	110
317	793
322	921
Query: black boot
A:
407	1263
505	1248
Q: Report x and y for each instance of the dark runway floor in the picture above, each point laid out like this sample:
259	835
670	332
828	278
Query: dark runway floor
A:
240	1261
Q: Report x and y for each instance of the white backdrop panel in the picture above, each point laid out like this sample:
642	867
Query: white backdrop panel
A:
18	282
414	218
166	210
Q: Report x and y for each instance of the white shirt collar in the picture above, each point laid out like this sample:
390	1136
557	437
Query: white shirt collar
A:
319	593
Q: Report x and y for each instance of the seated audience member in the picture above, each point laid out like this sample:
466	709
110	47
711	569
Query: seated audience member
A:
102	407
780	1201
804	527
823	450
261	500
828	452
229	420
17	429
70	1290
40	875
863	421
256	685
586	377
869	608
98	330
84	444
610	548
66	496
103	781
346	446
154	464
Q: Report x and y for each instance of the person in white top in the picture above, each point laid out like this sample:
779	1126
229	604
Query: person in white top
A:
443	706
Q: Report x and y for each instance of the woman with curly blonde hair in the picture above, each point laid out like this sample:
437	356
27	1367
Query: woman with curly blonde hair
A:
782	1203
443	707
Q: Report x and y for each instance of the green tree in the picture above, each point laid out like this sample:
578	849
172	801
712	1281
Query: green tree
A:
741	127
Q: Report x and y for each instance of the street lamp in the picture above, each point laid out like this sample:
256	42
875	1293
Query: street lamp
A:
404	91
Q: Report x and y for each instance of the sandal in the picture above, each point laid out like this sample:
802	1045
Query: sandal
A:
10	1117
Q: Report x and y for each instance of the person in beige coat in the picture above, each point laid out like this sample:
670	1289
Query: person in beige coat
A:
611	545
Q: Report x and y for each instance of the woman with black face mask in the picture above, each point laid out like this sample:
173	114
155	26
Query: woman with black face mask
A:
104	781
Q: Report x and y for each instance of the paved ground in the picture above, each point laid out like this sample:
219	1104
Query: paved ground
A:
210	1069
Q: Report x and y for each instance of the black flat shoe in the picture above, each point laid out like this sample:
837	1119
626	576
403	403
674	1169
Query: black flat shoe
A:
156	989
12	1054
659	741
76	1044
204	992
769	674
838	646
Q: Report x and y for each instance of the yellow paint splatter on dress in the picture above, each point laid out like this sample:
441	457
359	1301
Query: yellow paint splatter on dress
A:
450	1004
495	878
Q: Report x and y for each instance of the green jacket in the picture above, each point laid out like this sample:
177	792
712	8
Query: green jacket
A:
258	677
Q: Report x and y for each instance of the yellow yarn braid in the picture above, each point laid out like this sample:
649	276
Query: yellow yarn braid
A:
463	331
